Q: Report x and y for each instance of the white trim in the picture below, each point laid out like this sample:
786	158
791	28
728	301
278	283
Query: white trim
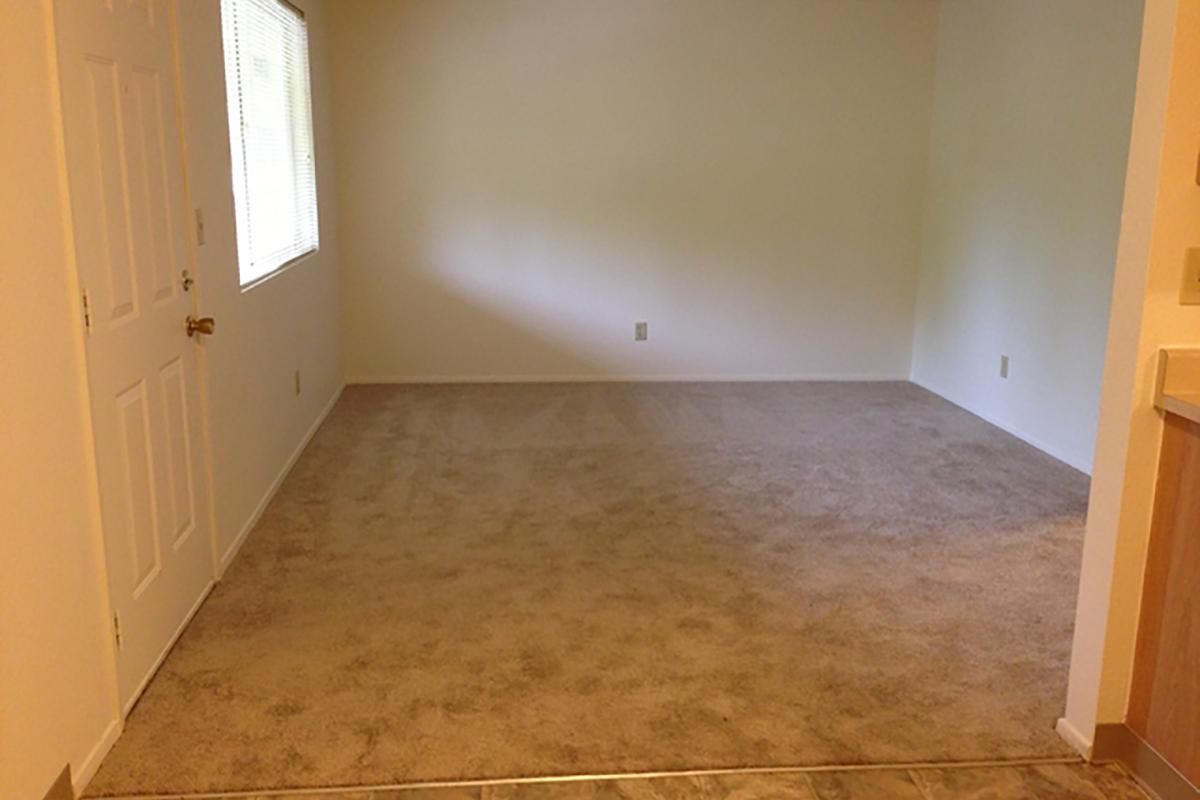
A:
633	378
1070	459
81	777
269	495
91	762
1072	736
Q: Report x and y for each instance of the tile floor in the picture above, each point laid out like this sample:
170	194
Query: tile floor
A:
1063	781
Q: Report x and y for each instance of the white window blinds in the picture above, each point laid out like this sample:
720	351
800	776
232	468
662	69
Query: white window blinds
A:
270	132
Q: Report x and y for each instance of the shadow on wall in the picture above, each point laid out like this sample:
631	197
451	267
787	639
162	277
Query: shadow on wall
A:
473	337
565	166
492	288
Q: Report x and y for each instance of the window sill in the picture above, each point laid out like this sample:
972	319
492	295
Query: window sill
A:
282	268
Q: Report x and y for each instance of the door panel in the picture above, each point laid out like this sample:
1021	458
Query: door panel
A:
104	186
125	169
154	183
181	519
137	484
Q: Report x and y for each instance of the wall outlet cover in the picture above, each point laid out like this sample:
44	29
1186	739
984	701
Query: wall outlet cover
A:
640	332
1004	367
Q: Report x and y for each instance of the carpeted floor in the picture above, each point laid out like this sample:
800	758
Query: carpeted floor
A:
514	580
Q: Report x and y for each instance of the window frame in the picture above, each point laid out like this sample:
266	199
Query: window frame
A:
240	171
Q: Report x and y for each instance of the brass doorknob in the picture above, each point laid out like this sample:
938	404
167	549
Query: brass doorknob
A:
203	325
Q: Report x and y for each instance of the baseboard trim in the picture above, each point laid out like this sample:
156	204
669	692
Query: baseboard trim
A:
1117	742
269	495
89	766
1074	737
635	377
1069	459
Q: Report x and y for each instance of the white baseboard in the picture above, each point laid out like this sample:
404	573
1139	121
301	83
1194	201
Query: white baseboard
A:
1072	736
81	777
636	377
269	495
1070	459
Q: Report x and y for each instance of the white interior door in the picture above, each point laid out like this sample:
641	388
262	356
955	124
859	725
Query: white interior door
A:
125	169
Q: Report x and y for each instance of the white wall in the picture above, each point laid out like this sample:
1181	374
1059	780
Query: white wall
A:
292	321
1161	220
519	181
1030	131
57	683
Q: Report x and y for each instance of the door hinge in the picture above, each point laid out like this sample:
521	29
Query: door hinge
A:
117	632
87	311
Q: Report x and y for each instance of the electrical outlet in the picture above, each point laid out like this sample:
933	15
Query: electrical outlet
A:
297	376
1189	292
1004	367
640	332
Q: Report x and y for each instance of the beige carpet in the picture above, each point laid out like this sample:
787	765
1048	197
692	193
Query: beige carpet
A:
491	581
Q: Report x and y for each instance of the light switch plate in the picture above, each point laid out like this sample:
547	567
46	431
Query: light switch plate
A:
1189	292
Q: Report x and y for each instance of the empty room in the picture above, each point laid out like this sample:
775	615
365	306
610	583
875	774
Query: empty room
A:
444	399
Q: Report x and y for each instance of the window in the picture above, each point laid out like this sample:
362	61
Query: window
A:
270	132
